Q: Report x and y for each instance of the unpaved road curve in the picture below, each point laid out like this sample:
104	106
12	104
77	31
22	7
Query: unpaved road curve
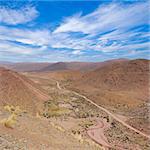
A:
96	133
108	112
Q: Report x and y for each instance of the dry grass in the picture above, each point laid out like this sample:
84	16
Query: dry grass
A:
53	110
57	127
13	109
11	121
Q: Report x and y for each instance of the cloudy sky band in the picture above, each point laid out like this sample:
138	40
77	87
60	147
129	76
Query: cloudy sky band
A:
115	29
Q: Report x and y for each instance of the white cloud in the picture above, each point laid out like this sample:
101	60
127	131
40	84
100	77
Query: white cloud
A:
23	41
105	18
25	36
64	40
9	47
108	29
77	52
20	16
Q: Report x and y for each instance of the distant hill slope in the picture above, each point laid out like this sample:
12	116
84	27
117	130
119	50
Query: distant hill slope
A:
55	67
25	67
16	89
120	75
59	66
78	66
117	84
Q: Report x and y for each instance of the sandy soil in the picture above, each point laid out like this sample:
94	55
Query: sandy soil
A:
39	134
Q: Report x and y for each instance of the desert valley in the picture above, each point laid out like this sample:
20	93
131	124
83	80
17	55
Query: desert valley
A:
74	75
75	105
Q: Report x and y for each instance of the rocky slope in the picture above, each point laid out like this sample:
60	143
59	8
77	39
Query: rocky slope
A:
121	83
16	89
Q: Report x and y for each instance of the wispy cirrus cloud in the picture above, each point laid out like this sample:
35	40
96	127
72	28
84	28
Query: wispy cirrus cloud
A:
11	47
109	28
106	18
113	29
17	16
24	40
37	37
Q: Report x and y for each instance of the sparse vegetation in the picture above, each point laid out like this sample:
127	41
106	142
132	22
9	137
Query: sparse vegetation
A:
53	110
12	109
12	119
86	124
57	127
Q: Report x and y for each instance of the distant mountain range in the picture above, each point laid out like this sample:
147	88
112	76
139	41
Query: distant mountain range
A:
59	66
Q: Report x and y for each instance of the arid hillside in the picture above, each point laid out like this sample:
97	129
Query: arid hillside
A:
79	66
117	84
16	89
25	66
67	114
121	87
120	76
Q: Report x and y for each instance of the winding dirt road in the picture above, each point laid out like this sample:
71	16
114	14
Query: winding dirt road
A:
96	133
108	112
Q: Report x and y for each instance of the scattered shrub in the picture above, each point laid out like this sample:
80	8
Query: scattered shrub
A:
53	110
12	119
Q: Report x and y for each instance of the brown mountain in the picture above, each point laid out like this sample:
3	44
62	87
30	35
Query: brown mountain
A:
122	75
59	66
78	66
55	66
16	89
116	84
25	67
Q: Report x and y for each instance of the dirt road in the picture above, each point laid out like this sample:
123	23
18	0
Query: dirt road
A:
109	113
96	133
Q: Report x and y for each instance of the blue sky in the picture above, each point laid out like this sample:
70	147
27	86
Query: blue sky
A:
73	30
